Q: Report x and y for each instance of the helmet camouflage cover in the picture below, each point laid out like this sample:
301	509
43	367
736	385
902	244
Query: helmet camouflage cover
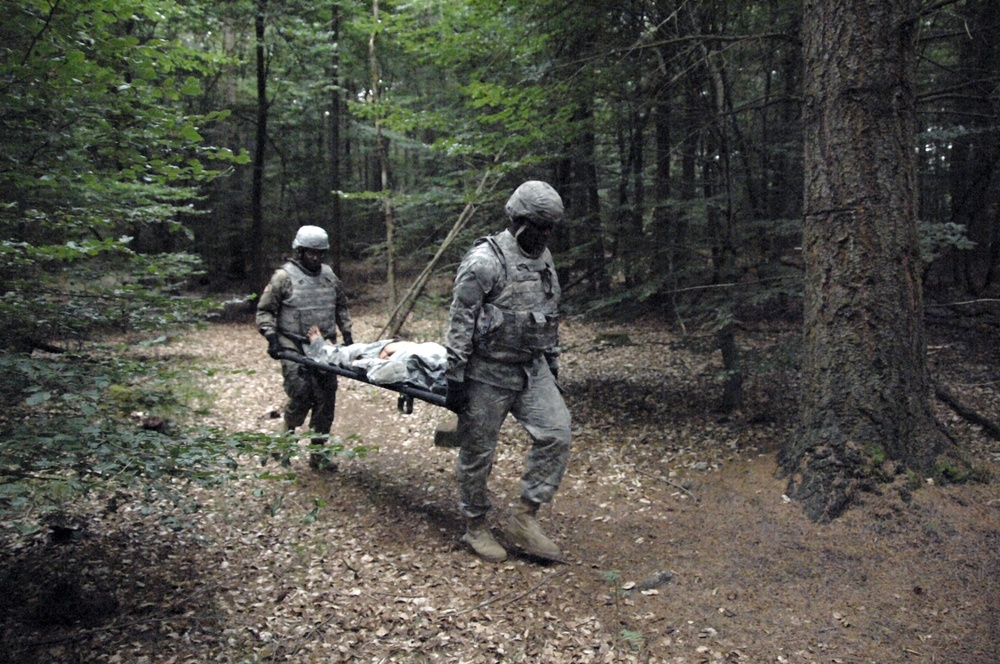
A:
311	237
537	201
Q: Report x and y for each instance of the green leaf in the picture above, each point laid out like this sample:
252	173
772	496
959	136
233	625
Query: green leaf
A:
191	134
192	86
38	398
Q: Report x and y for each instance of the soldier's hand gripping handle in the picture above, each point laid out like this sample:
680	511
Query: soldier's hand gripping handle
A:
273	345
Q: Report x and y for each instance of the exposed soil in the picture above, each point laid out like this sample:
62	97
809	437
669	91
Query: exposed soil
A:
681	545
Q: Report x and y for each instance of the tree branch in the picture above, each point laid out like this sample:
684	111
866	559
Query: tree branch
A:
668	481
35	38
948	397
511	599
21	475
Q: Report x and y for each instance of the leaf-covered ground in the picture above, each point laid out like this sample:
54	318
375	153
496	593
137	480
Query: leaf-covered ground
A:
681	545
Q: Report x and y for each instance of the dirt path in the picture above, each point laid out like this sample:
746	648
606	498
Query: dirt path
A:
682	547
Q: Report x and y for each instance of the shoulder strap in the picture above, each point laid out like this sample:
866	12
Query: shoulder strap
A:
292	269
491	240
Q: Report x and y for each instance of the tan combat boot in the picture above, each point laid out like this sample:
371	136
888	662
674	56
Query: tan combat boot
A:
524	532
477	535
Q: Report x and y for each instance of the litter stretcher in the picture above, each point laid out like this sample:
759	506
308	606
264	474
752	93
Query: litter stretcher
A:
407	393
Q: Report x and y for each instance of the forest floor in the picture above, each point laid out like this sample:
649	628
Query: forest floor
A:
680	544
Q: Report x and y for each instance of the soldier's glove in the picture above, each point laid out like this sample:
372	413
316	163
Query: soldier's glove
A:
457	399
348	338
554	368
274	348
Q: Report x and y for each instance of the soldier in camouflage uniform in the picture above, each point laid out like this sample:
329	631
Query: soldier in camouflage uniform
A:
305	292
503	349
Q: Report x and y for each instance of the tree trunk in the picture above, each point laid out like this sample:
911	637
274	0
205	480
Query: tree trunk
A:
581	195
627	229
664	216
975	154
255	245
382	157
865	390
337	225
724	252
635	270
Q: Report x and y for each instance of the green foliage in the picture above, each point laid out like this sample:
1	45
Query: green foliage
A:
88	427
313	514
949	473
875	454
101	160
612	576
960	471
938	238
73	429
461	85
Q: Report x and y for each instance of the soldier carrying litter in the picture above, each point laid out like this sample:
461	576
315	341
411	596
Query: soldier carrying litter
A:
503	350
302	293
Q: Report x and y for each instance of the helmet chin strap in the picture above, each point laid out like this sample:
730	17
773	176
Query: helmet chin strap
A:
300	258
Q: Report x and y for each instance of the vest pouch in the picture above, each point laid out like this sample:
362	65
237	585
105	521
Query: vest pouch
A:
520	336
541	331
489	320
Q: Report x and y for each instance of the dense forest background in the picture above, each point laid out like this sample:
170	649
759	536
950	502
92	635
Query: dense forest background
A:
211	131
157	152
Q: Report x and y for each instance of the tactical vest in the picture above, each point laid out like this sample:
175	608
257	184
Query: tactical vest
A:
313	302
520	318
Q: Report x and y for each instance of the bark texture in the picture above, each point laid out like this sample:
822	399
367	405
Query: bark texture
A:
866	394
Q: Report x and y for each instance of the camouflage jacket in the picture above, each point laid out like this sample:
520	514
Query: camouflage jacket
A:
504	313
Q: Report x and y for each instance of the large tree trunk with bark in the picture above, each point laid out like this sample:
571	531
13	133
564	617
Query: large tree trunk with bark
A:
865	404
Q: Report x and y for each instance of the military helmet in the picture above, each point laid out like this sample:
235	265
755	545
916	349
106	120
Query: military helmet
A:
311	237
537	201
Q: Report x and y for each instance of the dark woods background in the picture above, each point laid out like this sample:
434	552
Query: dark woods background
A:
207	132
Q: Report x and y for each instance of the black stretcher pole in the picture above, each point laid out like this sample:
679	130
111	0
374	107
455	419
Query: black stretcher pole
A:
407	393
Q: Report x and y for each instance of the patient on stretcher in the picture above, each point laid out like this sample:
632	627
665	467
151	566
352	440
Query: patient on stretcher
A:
385	362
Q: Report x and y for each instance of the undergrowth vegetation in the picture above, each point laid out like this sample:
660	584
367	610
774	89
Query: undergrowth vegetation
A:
82	426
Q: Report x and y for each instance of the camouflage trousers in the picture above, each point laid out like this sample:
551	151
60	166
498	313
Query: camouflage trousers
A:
540	409
309	390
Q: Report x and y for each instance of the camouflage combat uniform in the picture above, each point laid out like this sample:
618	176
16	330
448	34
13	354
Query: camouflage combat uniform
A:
503	342
292	302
